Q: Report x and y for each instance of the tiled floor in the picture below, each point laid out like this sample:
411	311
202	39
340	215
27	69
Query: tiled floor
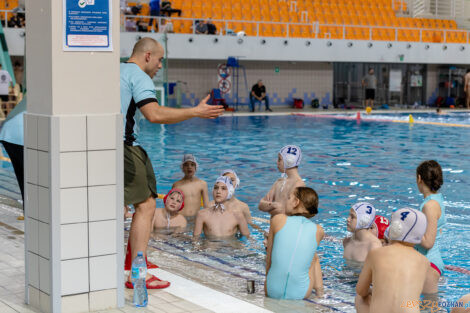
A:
12	276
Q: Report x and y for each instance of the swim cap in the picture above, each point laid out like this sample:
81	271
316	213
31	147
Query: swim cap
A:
382	223
189	158
408	225
291	156
237	180
365	213
228	182
170	192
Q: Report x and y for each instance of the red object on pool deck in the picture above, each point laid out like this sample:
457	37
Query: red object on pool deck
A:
128	261
358	116
130	285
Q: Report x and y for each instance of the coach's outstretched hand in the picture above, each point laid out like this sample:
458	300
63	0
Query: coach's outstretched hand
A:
204	110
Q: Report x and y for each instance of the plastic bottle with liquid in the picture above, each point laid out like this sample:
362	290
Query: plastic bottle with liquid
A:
139	272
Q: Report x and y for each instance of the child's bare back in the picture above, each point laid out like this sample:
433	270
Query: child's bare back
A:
397	273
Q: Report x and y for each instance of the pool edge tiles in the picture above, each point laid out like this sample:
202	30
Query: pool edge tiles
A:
204	296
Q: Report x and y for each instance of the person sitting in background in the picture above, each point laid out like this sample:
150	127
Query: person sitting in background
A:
202	28
258	95
361	217
220	220
292	263
169	216
211	28
166	26
168	10
397	272
194	189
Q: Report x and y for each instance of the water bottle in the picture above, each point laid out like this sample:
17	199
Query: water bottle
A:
139	272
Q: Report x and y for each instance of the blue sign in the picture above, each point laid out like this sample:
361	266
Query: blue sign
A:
87	25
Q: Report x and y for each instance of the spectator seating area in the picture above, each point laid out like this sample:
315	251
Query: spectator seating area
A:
7	5
279	18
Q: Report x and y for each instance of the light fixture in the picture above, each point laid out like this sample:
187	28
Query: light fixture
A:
329	43
308	43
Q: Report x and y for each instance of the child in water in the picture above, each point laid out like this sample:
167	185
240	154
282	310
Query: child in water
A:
378	228
170	216
235	203
361	217
292	264
429	180
220	220
288	162
397	271
194	188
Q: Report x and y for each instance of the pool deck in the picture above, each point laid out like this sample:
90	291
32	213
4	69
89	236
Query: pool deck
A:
182	296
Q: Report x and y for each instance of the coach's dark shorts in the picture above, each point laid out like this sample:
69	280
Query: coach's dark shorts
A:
139	178
370	94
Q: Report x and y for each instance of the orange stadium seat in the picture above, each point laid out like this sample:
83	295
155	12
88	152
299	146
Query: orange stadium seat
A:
381	15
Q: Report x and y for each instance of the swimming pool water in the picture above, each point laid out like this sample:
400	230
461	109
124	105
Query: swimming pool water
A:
344	161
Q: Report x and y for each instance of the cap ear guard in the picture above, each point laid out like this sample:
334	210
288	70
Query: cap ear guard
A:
365	213
228	182
237	180
291	156
172	191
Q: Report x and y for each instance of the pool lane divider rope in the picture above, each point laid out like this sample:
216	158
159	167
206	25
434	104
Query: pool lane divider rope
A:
334	239
410	120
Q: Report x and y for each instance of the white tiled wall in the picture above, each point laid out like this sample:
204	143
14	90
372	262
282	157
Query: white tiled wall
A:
80	187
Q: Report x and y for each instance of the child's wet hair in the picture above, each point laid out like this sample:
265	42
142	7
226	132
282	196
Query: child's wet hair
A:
431	174
309	199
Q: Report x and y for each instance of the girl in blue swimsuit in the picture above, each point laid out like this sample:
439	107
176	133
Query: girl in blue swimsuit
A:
292	264
429	180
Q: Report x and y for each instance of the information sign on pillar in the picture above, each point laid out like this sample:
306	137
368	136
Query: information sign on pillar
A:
87	25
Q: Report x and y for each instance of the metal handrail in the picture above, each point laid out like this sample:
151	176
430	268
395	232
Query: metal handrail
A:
315	27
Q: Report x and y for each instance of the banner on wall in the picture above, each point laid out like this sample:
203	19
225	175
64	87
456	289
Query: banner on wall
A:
224	78
395	80
87	25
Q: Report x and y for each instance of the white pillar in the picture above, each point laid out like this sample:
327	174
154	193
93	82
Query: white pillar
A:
73	169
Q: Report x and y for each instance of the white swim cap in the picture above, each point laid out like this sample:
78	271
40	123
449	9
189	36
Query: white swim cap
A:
189	158
237	180
408	225
365	213
228	182
291	156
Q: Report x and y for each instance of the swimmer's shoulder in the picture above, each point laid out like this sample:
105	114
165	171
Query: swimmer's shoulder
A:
278	221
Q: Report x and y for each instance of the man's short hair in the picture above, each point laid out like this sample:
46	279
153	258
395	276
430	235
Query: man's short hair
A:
144	45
